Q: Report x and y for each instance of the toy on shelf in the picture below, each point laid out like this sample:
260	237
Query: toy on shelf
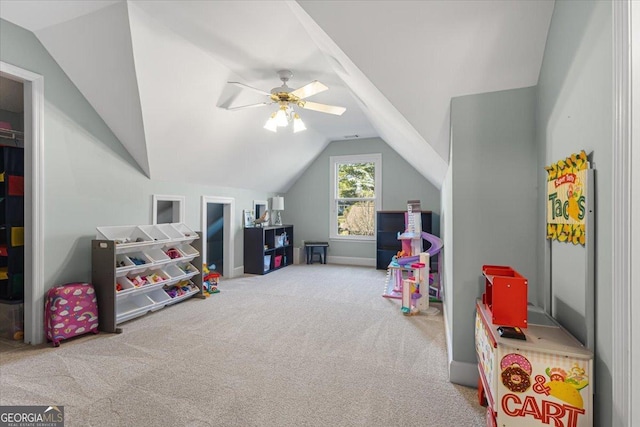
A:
210	280
406	278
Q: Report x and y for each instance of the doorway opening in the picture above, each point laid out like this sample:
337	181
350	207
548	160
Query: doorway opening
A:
33	278
217	234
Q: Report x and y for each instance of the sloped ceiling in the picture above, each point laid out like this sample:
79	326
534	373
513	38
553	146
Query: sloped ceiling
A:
157	72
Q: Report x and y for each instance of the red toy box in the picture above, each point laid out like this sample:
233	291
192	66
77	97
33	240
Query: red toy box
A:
505	295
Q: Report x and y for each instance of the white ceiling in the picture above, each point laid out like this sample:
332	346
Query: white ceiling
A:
156	72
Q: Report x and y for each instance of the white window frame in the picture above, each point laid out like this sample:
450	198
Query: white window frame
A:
178	207
334	161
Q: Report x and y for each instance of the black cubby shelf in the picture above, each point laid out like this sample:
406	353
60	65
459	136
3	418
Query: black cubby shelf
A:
267	249
388	225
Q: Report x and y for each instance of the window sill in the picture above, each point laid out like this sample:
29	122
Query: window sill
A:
353	239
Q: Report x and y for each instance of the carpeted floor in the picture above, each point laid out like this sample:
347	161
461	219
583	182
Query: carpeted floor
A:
308	345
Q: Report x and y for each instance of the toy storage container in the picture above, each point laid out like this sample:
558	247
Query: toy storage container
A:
132	306
155	233
188	234
171	231
188	252
125	236
11	320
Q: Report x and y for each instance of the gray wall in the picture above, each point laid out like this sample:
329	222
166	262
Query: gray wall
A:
575	112
490	202
307	202
90	179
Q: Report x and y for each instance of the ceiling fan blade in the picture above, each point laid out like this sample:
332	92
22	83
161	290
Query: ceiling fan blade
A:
323	108
242	107
250	87
310	89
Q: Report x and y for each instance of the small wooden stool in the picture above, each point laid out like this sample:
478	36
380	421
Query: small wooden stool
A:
314	248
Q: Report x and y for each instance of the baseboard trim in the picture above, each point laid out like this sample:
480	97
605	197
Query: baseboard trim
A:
345	260
447	333
463	373
237	272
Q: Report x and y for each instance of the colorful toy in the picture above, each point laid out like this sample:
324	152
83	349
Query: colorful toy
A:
210	280
411	295
406	278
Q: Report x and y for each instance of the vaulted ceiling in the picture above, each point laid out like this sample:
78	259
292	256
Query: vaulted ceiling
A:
157	73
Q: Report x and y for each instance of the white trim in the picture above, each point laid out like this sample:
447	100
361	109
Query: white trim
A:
632	244
333	171
257	203
347	260
229	232
34	180
162	198
238	271
464	373
621	249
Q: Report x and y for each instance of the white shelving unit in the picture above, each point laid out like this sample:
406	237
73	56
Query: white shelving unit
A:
144	268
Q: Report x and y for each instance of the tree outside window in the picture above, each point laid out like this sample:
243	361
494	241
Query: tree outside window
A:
356	195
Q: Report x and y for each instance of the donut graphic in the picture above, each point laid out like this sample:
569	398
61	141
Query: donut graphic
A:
516	379
516	372
516	359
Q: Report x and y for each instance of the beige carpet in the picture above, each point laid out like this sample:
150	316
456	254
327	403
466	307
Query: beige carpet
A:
308	345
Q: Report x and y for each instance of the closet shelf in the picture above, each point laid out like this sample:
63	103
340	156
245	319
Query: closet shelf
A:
14	135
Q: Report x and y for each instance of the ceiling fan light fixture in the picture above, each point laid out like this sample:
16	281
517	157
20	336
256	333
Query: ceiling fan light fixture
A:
271	123
281	118
298	124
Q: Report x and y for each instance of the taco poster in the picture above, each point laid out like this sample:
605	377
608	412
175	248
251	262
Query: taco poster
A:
566	199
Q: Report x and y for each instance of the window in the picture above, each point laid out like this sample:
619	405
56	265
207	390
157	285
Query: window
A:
167	209
356	195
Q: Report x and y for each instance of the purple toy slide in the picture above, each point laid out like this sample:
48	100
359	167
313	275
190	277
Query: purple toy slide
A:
436	246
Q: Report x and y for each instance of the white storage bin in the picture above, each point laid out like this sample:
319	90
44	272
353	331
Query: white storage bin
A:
126	286
170	231
155	233
157	256
189	269
135	306
172	252
126	263
123	265
174	272
159	298
151	278
188	234
191	289
188	251
125	236
267	263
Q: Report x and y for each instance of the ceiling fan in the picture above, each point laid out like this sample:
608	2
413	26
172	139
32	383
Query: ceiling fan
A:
287	98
